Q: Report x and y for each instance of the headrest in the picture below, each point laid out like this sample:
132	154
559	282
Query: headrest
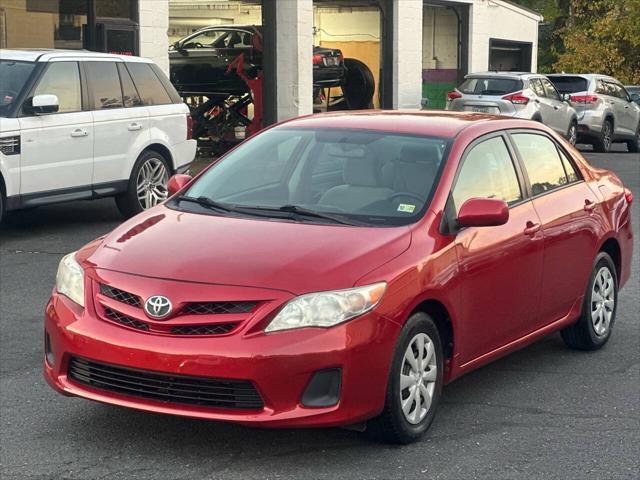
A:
361	171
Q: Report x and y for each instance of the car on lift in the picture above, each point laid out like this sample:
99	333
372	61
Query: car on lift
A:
199	62
522	95
607	112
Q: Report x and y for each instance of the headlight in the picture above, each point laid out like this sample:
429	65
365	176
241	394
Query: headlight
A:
70	279
326	309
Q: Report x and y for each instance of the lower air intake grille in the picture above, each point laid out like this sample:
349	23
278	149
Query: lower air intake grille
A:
163	387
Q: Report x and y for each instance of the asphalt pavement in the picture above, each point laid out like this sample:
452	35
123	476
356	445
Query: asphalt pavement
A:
543	412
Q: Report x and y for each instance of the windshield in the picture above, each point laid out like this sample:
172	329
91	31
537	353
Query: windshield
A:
348	176
570	84
490	86
13	77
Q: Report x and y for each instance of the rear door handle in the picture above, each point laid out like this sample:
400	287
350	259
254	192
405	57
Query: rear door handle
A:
532	228
134	126
589	206
78	132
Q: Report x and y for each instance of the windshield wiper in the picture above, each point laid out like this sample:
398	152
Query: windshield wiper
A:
207	203
305	212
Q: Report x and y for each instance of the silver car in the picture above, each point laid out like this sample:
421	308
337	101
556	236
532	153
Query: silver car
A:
606	110
523	95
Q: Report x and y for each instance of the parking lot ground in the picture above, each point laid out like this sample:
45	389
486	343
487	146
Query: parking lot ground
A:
543	412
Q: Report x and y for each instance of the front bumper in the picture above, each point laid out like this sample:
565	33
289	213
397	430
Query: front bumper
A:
280	365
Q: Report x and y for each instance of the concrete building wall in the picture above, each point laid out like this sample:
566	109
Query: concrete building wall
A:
154	23
407	68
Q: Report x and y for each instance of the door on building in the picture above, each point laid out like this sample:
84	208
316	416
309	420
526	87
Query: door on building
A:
509	56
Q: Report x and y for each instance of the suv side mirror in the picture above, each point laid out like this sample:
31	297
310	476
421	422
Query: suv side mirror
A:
565	97
43	104
483	212
177	183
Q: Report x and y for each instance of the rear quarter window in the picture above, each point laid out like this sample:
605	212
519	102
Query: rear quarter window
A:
151	90
490	86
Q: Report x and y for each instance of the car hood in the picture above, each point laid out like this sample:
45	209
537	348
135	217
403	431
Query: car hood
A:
294	257
8	125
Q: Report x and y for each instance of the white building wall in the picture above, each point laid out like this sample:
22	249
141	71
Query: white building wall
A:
407	43
499	20
154	23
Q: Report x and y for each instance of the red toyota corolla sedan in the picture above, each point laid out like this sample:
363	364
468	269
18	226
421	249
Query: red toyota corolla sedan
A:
339	269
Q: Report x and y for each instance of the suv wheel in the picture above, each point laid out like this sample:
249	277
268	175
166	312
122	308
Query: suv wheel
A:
572	133
593	328
634	145
603	144
147	184
414	385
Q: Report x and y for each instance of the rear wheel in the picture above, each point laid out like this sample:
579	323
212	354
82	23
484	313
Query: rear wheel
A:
593	328
572	133
634	145
603	143
147	184
414	385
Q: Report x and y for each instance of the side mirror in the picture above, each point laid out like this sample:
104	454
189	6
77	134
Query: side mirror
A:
177	183
635	97
483	212
43	104
566	97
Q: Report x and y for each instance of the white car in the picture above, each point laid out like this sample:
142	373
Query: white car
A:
78	125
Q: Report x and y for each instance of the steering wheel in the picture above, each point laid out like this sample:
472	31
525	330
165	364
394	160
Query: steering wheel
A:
197	45
407	194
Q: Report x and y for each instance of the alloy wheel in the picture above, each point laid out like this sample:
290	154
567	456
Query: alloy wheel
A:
573	134
418	377
151	184
606	136
602	301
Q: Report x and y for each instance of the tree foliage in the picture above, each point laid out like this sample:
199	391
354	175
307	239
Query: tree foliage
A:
594	36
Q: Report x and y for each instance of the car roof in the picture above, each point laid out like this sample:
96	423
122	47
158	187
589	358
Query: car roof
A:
414	122
587	76
509	75
45	55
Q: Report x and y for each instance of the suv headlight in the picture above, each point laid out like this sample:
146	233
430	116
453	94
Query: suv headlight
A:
70	279
326	309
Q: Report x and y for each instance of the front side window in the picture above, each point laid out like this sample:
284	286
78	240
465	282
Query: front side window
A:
487	172
104	85
148	85
541	161
13	77
378	178
62	79
206	39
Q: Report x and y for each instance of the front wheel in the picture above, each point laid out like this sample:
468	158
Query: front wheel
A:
147	184
414	385
593	328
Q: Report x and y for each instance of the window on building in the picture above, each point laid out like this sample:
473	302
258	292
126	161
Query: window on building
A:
104	85
487	172
62	79
542	162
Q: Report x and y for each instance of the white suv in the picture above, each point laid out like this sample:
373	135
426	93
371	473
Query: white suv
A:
80	125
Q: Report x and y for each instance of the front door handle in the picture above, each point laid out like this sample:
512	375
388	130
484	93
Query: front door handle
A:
532	228
589	206
134	126
78	132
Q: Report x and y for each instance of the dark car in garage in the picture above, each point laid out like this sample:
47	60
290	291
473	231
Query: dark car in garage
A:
199	61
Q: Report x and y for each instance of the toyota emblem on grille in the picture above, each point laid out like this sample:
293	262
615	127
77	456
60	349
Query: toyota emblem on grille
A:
157	307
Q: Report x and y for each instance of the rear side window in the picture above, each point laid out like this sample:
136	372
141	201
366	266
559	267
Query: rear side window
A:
149	86
487	172
570	84
104	85
173	94
549	89
129	93
62	79
542	162
536	86
490	86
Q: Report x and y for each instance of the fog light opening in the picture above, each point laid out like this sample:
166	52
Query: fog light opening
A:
324	389
48	351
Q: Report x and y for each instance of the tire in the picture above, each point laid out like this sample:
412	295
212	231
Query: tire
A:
393	425
572	132
633	146
359	85
2	204
603	142
588	333
150	175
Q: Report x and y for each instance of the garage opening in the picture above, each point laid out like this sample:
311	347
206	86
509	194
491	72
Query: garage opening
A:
445	36
509	56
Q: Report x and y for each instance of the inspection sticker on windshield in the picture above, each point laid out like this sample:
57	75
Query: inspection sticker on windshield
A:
407	208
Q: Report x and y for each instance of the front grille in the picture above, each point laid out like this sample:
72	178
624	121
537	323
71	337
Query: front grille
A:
203	329
125	320
10	145
163	387
120	295
218	308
